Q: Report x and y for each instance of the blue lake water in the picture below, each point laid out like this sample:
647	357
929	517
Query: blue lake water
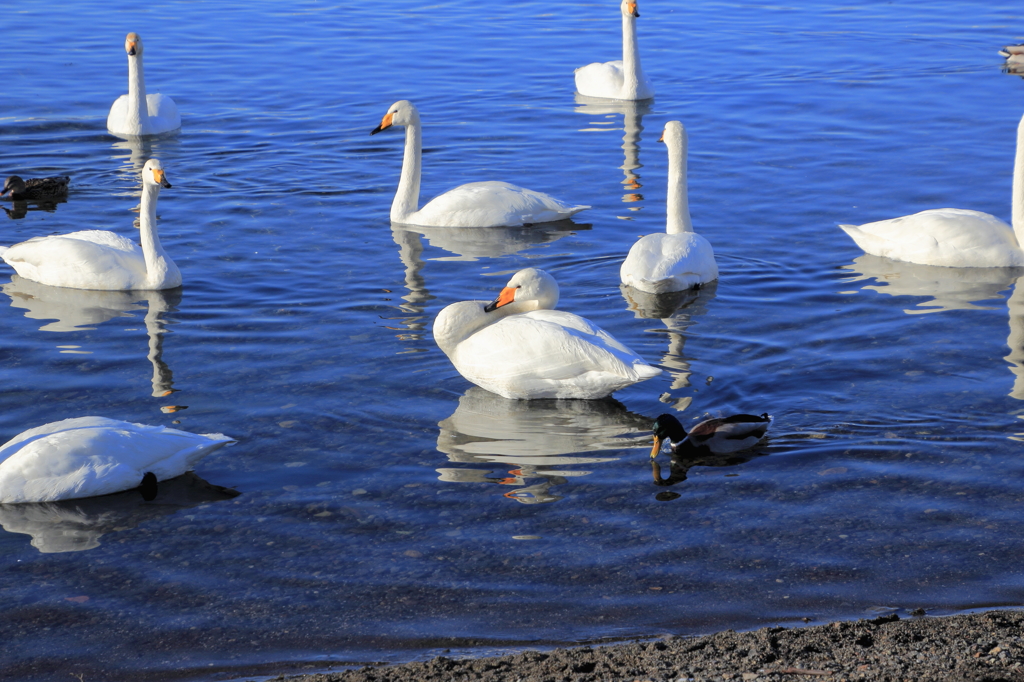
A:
388	509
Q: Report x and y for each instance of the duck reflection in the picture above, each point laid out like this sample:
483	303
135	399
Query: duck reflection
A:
949	288
465	243
77	525
508	442
72	310
632	125
19	209
677	310
680	464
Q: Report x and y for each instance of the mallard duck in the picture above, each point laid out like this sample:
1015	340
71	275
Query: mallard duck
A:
719	436
36	189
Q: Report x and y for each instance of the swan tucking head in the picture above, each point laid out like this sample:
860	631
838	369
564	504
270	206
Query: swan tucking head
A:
529	289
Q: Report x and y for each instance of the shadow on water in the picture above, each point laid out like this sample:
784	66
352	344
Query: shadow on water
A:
632	114
677	310
466	243
74	310
507	442
952	289
77	525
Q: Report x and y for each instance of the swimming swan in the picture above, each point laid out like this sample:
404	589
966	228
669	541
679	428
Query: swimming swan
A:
952	237
519	347
476	204
621	79
719	436
36	189
679	258
138	113
97	259
89	456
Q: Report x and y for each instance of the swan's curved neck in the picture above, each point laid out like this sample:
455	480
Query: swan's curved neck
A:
630	57
1018	187
138	111
407	198
157	262
678	203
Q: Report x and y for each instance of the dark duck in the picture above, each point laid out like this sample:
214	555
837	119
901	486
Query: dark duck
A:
719	436
36	189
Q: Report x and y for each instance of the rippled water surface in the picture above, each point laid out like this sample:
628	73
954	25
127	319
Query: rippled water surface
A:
389	510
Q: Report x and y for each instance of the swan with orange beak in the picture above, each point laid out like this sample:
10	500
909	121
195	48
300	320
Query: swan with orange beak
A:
519	347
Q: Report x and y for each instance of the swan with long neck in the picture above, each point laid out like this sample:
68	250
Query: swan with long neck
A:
679	258
476	204
137	113
98	259
519	347
89	456
620	79
952	237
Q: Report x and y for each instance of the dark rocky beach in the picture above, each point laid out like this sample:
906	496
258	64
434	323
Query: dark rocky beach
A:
973	647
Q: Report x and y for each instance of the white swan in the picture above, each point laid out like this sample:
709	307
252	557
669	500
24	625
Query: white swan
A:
476	204
679	258
952	237
89	456
138	113
621	79
97	259
519	347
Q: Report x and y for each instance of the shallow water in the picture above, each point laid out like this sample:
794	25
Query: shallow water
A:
388	509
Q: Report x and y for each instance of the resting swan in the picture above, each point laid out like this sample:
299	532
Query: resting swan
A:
679	258
621	79
477	204
89	456
97	259
952	237
519	347
138	113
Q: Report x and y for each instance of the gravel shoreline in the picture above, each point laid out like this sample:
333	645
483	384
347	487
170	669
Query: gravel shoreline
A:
974	647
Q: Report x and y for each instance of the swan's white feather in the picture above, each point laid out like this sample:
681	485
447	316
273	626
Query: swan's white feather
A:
89	456
524	353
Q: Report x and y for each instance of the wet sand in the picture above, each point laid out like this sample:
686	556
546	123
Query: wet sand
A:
985	646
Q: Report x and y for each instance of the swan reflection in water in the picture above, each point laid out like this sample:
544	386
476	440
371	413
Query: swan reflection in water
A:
77	525
72	310
953	289
949	288
677	310
632	113
464	243
508	442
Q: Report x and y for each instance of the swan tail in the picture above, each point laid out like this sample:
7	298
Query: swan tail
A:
868	243
645	371
3	250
